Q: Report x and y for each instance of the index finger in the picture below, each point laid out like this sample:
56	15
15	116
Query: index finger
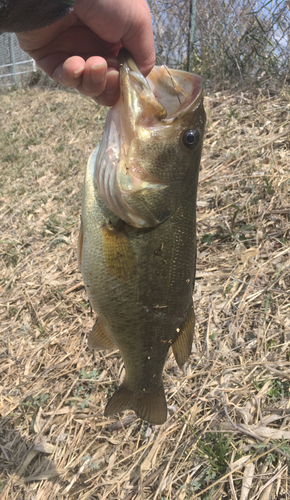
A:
139	39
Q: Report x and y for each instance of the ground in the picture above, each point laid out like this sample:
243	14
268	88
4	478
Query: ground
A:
227	435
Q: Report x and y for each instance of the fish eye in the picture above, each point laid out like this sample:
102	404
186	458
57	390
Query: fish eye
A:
190	138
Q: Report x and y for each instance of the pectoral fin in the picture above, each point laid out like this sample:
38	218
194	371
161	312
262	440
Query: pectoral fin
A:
150	406
182	345
117	253
98	338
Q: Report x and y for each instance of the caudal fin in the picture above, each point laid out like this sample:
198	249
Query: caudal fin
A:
150	406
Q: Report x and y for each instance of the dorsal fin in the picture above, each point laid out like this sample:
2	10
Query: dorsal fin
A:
80	247
117	252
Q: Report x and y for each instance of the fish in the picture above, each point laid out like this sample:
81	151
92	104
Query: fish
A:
137	241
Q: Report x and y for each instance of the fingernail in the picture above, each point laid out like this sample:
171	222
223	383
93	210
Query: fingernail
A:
98	66
112	84
98	72
78	72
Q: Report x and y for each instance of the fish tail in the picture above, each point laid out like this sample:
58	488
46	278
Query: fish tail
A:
148	405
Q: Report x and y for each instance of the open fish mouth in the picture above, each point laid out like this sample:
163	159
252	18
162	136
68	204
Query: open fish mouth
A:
164	96
148	108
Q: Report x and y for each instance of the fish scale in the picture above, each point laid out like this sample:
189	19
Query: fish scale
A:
137	245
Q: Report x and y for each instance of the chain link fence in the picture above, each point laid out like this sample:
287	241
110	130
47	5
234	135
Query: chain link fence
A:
15	65
221	40
235	39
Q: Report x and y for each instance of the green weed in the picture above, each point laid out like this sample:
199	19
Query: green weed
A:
214	448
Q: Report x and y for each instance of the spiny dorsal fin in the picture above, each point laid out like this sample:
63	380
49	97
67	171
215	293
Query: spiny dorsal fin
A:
150	406
182	345
98	338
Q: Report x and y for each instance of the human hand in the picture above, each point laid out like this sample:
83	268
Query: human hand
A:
80	49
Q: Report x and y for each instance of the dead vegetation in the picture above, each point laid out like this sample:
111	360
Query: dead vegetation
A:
227	435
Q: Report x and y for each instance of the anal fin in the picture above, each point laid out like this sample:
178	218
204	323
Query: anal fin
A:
98	338
149	405
182	345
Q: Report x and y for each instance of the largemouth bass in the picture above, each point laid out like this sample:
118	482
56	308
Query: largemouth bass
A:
137	244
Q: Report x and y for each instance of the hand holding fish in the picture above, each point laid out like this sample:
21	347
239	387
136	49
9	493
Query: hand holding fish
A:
80	49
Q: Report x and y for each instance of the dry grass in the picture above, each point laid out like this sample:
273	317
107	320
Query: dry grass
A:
228	431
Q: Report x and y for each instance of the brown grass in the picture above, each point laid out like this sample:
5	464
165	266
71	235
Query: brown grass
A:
228	431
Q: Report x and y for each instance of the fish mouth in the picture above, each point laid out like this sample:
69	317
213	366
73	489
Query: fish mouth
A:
164	96
148	108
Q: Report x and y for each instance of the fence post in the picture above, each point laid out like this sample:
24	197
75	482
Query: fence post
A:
13	60
192	16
